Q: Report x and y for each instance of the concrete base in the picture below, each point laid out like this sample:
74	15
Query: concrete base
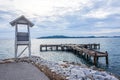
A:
21	71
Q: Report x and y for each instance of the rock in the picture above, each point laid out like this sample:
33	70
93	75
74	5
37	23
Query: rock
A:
78	73
64	65
113	78
9	61
98	77
103	73
83	66
67	71
61	62
2	62
93	67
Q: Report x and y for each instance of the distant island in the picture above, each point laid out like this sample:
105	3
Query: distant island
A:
62	36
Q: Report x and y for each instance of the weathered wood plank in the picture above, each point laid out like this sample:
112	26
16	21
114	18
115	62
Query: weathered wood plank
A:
85	50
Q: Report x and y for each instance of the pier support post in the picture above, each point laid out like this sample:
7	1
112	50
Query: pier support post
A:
46	48
87	57
40	48
99	46
51	48
95	46
95	59
62	48
107	58
56	48
90	46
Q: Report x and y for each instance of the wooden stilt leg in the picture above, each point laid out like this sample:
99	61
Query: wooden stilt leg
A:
29	48
95	59
51	48
46	48
16	49
107	58
99	46
87	57
57	48
40	48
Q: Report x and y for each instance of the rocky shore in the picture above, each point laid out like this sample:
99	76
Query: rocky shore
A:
64	70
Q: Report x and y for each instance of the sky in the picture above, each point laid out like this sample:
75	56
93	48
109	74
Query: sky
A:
62	17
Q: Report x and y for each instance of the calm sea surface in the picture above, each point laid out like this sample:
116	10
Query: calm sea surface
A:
112	45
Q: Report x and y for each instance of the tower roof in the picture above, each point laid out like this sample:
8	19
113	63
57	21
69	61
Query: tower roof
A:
21	20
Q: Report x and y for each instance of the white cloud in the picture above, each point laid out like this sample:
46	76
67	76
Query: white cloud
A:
39	9
52	16
7	5
7	17
103	11
100	13
100	24
49	7
35	8
103	31
59	24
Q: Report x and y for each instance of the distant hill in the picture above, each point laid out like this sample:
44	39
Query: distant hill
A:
62	36
55	36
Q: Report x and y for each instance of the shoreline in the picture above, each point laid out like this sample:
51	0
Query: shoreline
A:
64	70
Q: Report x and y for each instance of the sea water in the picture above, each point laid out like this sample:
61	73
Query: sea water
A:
111	45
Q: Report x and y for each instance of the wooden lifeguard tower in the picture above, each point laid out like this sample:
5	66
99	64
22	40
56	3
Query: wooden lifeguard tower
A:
22	38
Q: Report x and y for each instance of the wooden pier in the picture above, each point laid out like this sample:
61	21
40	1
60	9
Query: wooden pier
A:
85	50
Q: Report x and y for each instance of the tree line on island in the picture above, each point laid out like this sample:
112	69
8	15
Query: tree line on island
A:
62	36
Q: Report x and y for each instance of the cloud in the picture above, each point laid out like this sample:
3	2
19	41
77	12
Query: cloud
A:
105	32
66	17
98	14
49	7
103	11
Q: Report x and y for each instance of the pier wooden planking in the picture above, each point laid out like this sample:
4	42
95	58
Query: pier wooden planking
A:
86	50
